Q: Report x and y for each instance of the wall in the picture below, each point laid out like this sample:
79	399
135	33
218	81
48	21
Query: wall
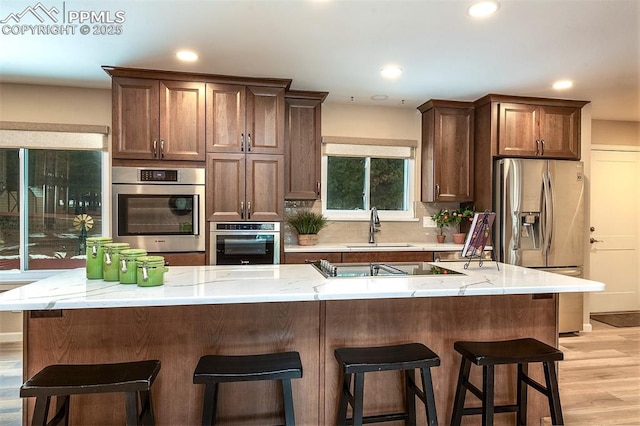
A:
608	132
55	104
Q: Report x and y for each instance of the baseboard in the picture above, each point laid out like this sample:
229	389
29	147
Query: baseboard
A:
11	337
587	328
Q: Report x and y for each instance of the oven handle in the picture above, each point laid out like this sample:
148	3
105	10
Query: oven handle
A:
196	216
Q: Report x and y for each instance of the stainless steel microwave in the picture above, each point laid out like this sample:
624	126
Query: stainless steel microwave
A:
159	210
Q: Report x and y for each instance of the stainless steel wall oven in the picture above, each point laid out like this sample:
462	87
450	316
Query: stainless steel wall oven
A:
159	210
244	243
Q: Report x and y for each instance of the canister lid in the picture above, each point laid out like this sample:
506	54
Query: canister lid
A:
132	253
117	246
99	240
150	261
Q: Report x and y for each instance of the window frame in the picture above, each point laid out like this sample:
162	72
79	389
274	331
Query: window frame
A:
45	136
363	148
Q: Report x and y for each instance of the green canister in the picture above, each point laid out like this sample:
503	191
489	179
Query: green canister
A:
151	271
128	265
111	261
95	254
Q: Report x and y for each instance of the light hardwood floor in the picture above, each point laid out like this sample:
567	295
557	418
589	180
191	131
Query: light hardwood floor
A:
599	378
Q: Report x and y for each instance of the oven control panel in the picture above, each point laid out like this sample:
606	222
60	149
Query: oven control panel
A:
158	175
247	226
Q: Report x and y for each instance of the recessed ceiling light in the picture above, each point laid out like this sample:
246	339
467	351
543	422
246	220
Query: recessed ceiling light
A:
391	71
187	55
379	97
562	84
483	8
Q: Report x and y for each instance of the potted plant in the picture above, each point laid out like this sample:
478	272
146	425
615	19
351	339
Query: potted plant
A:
458	216
307	224
442	218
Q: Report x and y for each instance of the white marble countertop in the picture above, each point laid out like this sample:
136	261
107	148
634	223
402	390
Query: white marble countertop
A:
352	247
196	285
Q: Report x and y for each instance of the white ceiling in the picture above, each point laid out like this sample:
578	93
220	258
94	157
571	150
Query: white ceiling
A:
339	46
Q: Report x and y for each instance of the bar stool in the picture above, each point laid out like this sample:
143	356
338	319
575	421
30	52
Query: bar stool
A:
214	369
406	358
490	354
134	379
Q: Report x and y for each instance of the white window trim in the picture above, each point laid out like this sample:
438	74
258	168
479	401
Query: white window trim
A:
23	135
381	148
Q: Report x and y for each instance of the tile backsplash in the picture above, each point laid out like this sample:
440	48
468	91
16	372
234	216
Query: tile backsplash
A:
358	231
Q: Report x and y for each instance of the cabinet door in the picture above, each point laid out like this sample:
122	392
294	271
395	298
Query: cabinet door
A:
265	120
302	142
265	187
135	118
387	256
225	187
182	129
518	130
225	118
453	162
560	132
310	257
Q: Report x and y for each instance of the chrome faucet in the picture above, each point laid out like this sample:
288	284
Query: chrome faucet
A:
374	222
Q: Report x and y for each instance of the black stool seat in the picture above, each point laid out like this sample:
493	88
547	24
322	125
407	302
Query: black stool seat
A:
508	351
62	380
406	358
214	369
234	368
516	351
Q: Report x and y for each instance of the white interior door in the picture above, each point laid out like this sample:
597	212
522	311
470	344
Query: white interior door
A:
615	219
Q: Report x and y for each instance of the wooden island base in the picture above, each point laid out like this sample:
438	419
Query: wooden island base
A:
179	335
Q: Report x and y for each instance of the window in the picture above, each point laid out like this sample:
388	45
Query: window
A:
358	176
45	188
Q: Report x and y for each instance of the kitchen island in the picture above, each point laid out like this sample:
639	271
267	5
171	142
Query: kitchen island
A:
251	309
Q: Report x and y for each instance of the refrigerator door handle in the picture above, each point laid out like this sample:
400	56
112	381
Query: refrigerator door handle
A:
547	228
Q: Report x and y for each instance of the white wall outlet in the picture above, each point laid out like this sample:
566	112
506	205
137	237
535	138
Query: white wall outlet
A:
427	222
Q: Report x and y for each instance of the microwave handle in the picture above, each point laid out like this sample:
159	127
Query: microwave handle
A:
196	216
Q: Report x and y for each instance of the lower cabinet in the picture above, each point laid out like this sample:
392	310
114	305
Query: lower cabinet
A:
183	259
359	256
310	257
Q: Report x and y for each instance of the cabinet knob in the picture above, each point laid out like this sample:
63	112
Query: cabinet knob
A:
249	142
542	144
248	209
161	148
154	147
241	209
241	141
437	191
537	147
593	240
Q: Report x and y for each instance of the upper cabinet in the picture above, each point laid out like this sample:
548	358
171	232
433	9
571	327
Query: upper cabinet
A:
246	119
158	119
529	127
447	151
245	187
526	130
303	144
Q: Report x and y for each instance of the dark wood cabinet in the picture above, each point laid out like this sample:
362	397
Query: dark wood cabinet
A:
387	256
245	187
447	151
303	144
183	259
526	130
246	119
310	257
158	119
360	256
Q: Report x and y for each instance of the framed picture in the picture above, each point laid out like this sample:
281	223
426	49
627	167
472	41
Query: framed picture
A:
478	234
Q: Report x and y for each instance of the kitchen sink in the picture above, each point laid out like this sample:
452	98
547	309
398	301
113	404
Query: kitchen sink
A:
389	269
379	245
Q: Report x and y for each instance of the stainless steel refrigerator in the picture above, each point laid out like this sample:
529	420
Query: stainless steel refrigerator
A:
539	223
